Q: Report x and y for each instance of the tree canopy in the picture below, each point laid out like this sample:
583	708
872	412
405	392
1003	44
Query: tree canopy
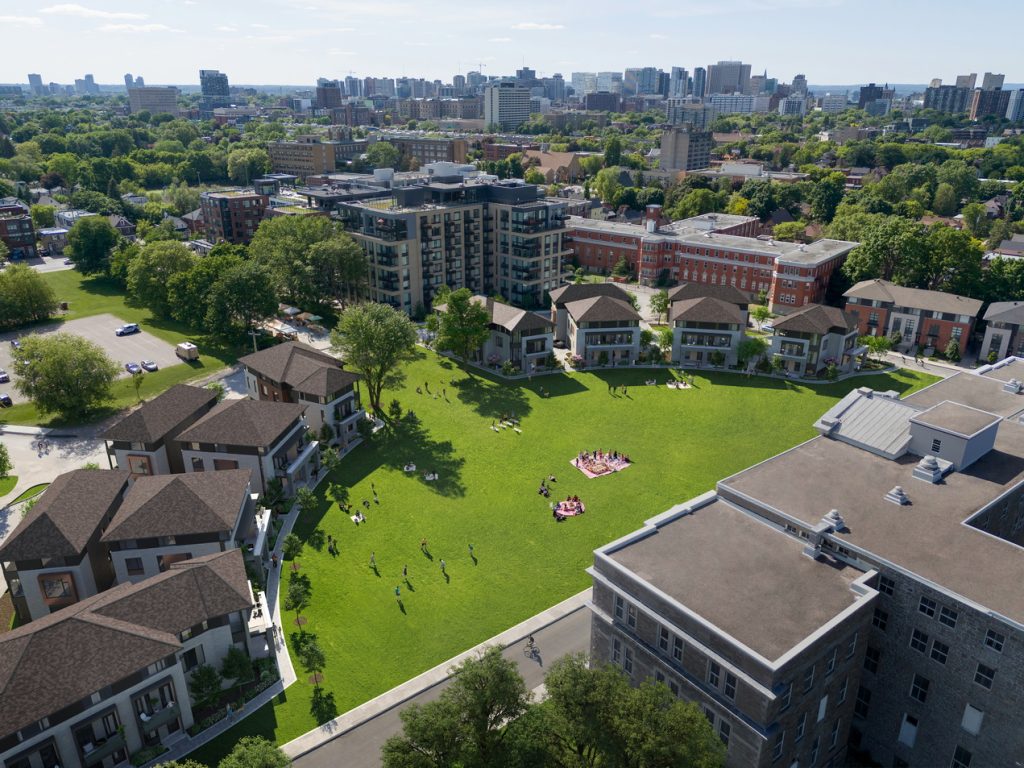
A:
90	242
463	325
63	374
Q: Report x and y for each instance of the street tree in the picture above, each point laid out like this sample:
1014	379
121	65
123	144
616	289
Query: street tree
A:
463	327
606	184
383	154
945	201
137	378
297	597
761	314
90	242
255	752
613	151
6	465
150	274
750	350
375	340
241	297
660	304
313	660
63	374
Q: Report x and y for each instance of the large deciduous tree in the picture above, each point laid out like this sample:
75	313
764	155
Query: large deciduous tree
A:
383	154
150	273
255	752
890	250
90	242
63	374
660	303
188	292
25	296
375	339
247	163
240	298
463	326
826	195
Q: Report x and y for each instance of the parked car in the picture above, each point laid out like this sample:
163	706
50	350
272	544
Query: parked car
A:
149	365
559	344
5	401
132	368
4	376
127	330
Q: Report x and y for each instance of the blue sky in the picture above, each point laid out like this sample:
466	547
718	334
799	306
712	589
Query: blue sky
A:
295	41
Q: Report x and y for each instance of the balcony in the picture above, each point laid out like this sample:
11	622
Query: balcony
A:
150	723
303	457
795	351
100	752
531	251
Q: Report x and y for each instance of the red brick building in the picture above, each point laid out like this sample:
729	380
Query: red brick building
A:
922	318
232	216
16	230
713	249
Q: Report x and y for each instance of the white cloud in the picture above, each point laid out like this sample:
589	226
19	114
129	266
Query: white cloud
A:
339	52
533	25
21	21
73	9
137	28
656	36
499	40
227	29
260	26
191	2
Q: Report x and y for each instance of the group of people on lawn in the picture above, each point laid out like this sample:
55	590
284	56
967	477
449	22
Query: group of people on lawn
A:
600	462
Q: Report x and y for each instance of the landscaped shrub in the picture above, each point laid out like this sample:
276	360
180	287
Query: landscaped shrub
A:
143	756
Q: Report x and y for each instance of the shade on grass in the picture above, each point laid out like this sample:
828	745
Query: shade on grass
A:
680	442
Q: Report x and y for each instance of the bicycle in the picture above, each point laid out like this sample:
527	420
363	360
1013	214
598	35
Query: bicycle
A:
531	650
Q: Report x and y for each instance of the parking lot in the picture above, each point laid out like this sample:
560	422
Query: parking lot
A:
98	329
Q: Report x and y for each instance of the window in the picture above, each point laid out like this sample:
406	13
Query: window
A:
197	464
908	730
995	640
620	608
616	650
714	672
834	738
814	751
822	707
192	658
983	676
674	687
663	638
871	658
659	676
730	685
787	697
880	619
947	616
863	705
936	445
919	689
842	691
830	665
627	661
723	732
800	727
134	566
631	615
940	651
886	585
677	649
927	607
808	678
777	746
961	758
919	641
710	715
971	721
164	562
852	647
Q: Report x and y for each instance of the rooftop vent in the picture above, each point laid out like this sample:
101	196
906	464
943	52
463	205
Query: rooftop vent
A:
897	496
1013	386
932	469
835	520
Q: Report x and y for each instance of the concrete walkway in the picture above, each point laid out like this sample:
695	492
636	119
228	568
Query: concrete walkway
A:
355	738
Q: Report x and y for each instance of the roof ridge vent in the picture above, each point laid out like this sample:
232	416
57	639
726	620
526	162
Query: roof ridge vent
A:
928	469
1013	386
897	496
835	520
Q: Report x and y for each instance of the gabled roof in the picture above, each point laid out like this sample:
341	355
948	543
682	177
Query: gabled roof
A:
61	658
512	319
66	515
154	420
178	505
817	318
254	423
601	309
301	367
727	293
707	310
935	301
1006	312
562	296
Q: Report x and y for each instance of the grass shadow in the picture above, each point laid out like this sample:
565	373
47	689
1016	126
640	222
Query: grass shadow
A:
492	399
408	442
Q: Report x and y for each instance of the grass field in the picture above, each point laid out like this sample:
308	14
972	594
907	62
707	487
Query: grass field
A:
680	442
7	484
93	296
28	493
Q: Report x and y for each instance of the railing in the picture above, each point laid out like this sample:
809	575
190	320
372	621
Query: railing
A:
157	719
102	751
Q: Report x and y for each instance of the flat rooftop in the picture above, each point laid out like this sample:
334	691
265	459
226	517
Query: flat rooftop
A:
955	418
1004	370
928	537
982	392
744	577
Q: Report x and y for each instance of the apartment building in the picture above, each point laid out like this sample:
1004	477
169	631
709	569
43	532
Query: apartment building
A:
430	150
815	336
714	249
1003	321
858	591
518	336
294	372
491	237
106	678
156	100
685	150
926	319
600	329
16	230
69	218
306	156
506	105
143	441
232	215
708	323
268	438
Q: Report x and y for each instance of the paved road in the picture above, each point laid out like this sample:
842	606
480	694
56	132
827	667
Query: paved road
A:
360	747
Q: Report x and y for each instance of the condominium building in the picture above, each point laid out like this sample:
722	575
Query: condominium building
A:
947	98
732	103
1003	323
834	103
686	150
727	77
859	591
491	237
708	323
697	116
232	215
154	99
506	105
429	150
306	156
989	102
806	342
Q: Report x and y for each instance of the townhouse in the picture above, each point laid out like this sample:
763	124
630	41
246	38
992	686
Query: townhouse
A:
708	324
517	336
603	330
926	319
814	337
1003	321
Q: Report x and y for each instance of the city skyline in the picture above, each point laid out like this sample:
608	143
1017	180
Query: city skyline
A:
260	42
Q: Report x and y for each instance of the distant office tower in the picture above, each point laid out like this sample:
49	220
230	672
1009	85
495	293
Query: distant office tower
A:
328	93
640	81
793	106
728	77
153	99
583	83
685	150
139	82
459	83
353	86
129	81
677	83
1015	106
949	99
35	83
602	101
506	105
554	87
700	82
214	83
756	84
609	81
476	79
965	81
799	86
832	103
990	82
935	82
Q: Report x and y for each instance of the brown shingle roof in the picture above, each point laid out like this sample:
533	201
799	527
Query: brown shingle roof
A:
562	296
817	318
699	290
59	659
177	505
936	301
601	309
253	423
707	310
67	515
153	420
301	367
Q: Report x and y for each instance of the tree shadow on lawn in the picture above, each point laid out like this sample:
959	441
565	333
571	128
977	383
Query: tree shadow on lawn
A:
409	443
490	398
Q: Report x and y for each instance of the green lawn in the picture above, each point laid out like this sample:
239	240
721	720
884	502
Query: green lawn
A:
93	296
681	443
7	484
33	490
